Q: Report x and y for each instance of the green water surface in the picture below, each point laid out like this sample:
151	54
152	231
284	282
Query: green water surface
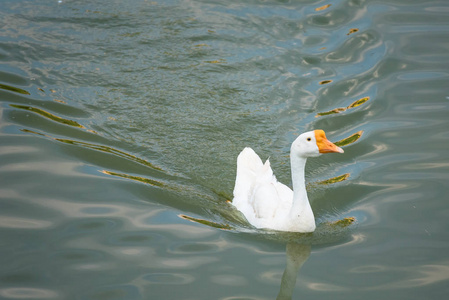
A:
121	121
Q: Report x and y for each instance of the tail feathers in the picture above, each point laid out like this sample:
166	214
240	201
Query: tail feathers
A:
248	160
250	171
265	174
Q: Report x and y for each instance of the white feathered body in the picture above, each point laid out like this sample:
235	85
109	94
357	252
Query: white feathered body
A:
265	202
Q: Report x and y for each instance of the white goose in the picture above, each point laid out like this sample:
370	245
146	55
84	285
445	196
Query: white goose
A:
269	204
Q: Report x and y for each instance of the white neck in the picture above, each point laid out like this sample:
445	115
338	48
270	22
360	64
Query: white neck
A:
301	213
298	165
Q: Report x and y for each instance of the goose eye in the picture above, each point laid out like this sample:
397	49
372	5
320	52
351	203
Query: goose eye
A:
309	139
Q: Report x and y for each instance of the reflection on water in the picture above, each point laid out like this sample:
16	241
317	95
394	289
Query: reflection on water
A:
298	246
342	109
207	223
13	89
136	178
48	115
325	233
296	255
100	148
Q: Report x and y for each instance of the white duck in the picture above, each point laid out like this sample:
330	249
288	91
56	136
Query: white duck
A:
267	203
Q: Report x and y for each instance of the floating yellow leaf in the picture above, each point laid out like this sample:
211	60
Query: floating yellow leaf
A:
217	61
352	30
322	7
335	179
325	81
358	102
349	140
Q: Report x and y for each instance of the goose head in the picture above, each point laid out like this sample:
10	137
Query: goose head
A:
312	144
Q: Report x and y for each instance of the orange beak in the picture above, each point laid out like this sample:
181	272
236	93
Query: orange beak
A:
324	145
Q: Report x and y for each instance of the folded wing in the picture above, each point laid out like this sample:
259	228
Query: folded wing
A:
257	193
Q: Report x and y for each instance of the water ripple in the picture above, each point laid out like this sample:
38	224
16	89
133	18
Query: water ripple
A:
28	293
23	223
167	278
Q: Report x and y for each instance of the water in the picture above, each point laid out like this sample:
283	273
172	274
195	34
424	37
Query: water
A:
121	122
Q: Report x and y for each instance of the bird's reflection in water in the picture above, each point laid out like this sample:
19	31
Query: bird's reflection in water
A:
296	256
298	247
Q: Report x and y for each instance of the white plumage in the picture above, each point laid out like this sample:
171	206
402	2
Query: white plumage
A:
267	203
